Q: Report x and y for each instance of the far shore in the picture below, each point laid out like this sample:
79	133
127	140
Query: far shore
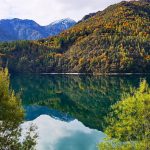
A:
100	74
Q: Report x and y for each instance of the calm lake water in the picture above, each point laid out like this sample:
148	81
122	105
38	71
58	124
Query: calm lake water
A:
69	110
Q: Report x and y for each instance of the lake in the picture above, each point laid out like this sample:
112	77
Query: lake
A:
69	110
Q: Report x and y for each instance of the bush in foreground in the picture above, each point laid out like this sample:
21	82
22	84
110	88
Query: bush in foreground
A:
128	124
11	116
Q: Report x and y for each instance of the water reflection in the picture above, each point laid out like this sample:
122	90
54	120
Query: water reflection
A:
57	135
32	112
86	98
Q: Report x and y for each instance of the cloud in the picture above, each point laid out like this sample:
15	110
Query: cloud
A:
56	134
46	11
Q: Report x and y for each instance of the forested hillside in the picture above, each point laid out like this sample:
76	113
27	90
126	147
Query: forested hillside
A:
114	40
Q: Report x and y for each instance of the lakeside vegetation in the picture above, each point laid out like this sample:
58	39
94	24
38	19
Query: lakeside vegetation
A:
11	116
103	43
128	124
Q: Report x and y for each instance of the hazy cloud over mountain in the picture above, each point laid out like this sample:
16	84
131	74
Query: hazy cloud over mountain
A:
45	11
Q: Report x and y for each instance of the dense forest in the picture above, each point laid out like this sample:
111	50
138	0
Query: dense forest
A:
114	40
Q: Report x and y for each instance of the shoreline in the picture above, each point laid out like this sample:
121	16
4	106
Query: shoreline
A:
99	74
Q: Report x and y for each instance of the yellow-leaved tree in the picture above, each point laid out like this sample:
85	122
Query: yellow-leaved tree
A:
11	116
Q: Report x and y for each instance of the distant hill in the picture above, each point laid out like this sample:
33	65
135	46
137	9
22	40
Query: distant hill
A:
116	40
18	29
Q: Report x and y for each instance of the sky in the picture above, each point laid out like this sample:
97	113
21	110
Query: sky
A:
46	11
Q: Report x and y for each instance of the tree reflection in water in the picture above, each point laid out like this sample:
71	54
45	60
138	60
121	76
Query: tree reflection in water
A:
86	98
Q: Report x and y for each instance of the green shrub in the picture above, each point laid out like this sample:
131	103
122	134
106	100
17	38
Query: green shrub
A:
11	116
128	124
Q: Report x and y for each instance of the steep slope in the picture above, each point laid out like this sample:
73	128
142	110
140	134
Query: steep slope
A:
114	40
17	29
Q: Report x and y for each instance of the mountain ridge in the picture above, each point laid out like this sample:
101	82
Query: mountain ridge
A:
26	29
